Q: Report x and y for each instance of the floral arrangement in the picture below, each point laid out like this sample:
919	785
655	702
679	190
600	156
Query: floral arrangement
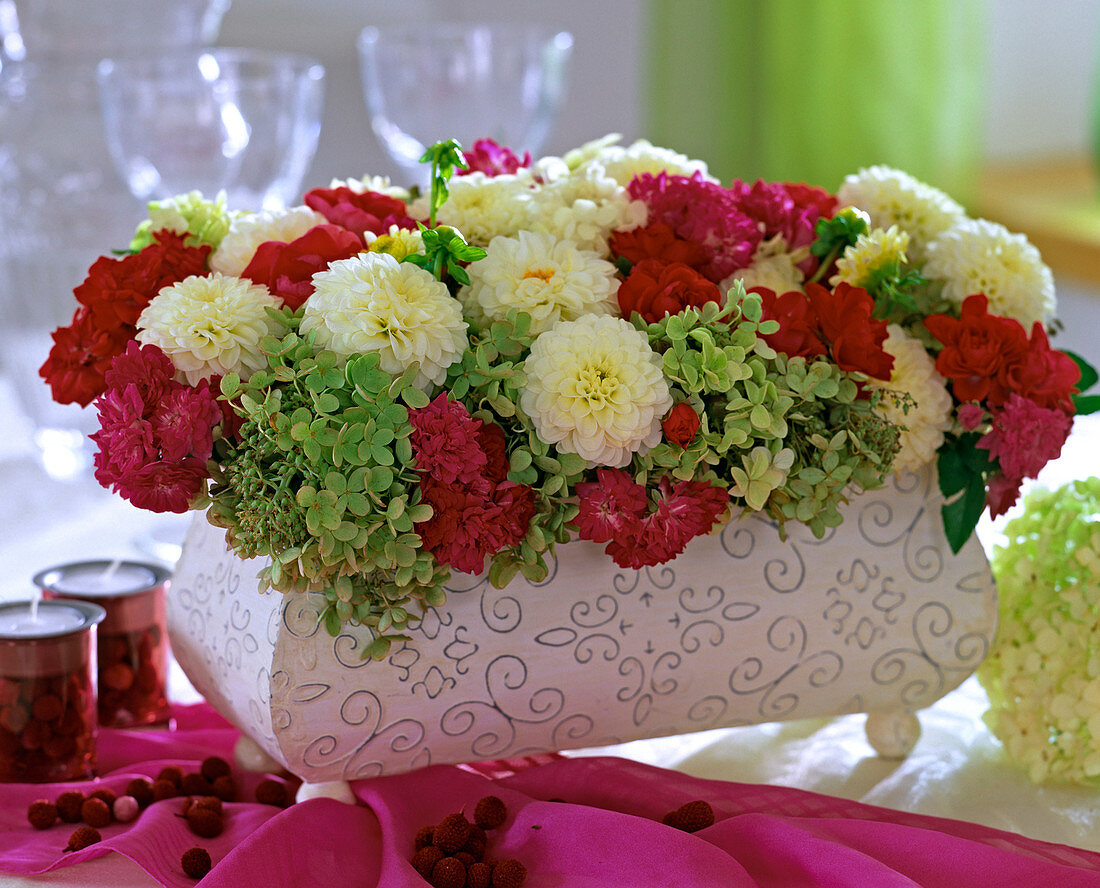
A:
380	386
1042	676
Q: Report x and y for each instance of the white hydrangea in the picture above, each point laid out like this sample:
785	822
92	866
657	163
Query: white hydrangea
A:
552	280
892	197
373	303
929	417
772	267
210	326
624	163
483	207
978	256
585	207
595	388
247	232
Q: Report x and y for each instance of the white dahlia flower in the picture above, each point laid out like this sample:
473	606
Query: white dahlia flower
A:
595	388
210	326
892	197
930	416
978	256
549	279
773	266
482	206
373	303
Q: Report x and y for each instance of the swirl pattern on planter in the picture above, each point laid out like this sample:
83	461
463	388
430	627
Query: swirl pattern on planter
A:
743	628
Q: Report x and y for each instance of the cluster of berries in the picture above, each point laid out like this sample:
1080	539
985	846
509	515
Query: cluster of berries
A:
452	854
204	793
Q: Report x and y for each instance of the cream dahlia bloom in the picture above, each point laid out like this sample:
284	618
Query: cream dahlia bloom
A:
772	267
978	256
930	416
595	388
892	197
869	253
624	163
210	326
373	303
247	232
585	206
482	206
549	279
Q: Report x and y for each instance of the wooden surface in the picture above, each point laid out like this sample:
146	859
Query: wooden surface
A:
1056	203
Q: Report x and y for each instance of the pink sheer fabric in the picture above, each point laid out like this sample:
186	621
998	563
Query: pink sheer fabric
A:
573	822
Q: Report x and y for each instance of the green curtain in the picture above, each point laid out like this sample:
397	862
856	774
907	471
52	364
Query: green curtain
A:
811	90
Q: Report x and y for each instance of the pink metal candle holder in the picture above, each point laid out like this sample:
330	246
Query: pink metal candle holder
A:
133	641
47	690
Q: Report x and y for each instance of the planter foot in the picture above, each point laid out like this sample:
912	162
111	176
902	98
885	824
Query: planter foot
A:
250	757
338	790
892	734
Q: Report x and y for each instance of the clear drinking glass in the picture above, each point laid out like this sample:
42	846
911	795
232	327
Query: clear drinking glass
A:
240	120
437	80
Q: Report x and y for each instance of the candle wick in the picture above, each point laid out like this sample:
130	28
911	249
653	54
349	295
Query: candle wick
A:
110	571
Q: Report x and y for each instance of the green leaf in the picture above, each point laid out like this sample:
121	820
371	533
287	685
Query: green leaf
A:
960	516
1086	404
1089	375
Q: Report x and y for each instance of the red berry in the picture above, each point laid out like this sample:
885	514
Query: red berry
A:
426	858
214	767
95	812
42	814
448	873
82	837
508	874
69	804
195	862
452	833
490	812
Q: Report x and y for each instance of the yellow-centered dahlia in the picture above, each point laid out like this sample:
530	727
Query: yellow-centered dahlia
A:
373	303
210	326
595	388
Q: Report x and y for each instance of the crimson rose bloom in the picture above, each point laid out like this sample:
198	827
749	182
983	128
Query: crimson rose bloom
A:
1043	375
855	338
978	347
657	288
681	424
287	269
798	334
359	212
111	299
657	241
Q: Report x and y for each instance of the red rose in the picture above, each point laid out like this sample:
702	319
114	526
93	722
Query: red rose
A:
359	211
1043	374
491	440
978	346
657	288
681	424
657	241
798	334
855	338
287	269
80	356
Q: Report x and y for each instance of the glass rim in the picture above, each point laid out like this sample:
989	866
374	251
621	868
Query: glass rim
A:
47	579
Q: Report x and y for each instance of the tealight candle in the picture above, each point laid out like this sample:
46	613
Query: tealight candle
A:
47	690
133	640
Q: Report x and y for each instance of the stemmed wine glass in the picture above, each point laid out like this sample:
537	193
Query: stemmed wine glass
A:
240	120
430	81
